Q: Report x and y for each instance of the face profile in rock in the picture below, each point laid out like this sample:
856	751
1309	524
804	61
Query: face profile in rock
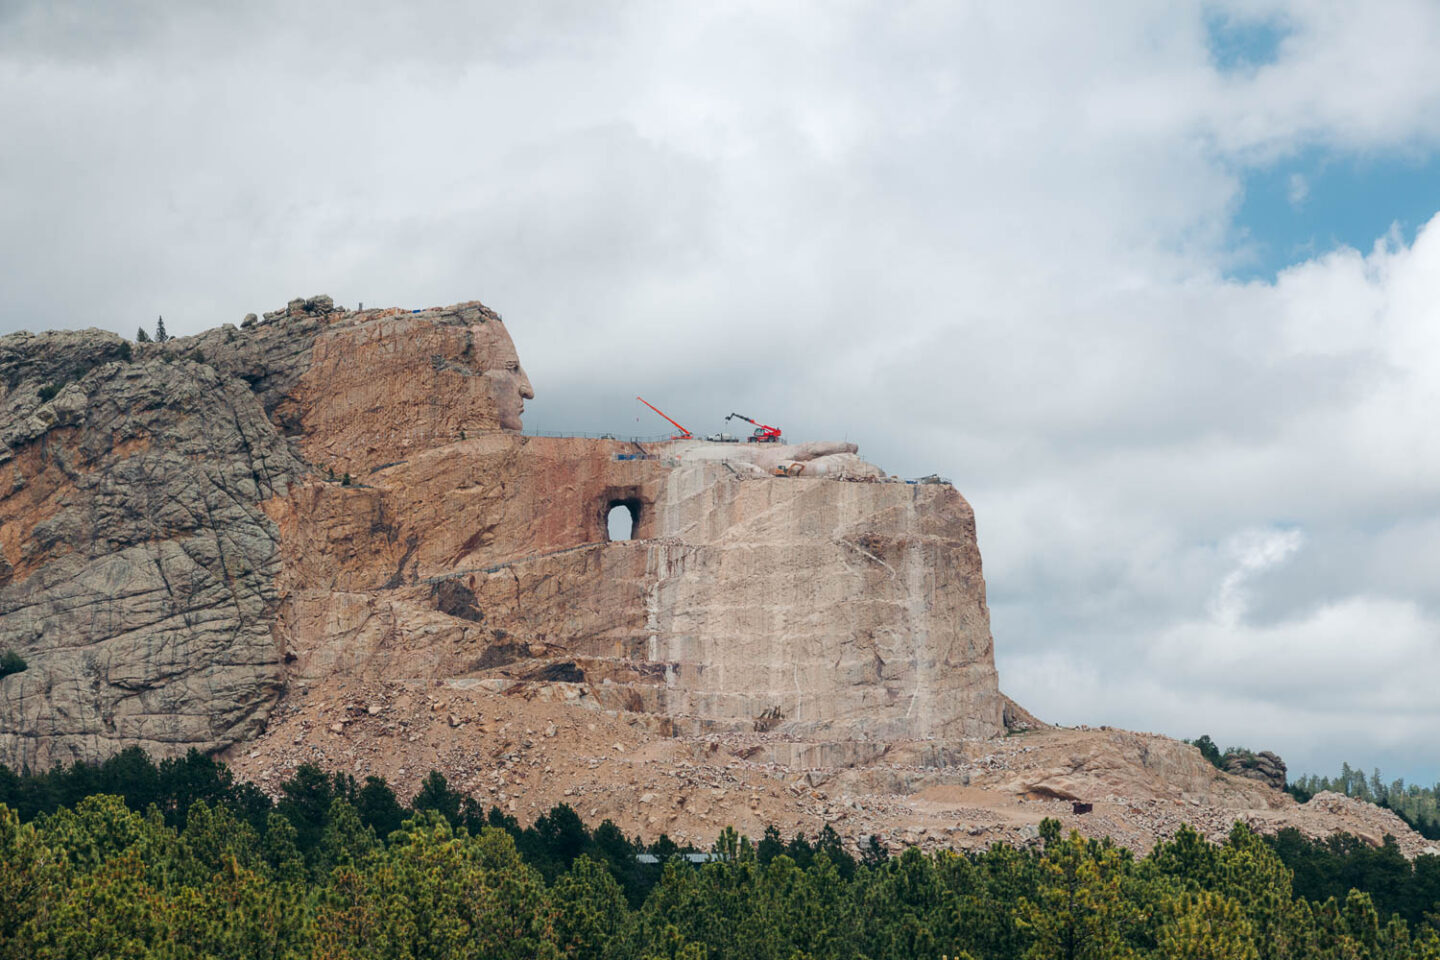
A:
509	387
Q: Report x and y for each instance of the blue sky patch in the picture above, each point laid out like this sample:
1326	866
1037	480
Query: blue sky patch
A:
1237	45
1310	204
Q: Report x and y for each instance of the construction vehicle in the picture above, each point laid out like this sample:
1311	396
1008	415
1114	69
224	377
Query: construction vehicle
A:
764	433
682	435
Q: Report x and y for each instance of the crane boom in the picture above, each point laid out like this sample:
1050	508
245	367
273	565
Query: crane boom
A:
684	434
764	433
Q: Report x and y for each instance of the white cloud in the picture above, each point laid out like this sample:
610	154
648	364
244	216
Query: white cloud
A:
1354	678
1298	190
1255	551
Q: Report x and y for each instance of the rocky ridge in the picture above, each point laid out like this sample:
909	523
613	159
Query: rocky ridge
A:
321	536
195	525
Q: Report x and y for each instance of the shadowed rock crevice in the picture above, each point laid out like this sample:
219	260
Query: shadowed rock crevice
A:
456	599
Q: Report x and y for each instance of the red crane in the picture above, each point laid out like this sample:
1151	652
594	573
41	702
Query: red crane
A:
682	435
764	433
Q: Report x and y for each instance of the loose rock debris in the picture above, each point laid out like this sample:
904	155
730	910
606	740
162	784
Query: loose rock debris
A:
526	756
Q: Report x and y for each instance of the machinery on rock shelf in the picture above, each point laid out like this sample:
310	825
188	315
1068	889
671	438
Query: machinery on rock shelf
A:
684	434
764	433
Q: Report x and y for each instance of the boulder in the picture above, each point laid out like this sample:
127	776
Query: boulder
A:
1264	767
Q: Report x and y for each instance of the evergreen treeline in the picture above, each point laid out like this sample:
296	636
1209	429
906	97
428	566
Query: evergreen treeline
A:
130	859
168	789
1333	867
1416	805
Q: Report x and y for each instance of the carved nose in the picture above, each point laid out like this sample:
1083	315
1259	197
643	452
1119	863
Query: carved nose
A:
527	392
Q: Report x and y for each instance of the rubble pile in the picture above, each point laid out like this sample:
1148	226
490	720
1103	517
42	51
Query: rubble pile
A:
525	754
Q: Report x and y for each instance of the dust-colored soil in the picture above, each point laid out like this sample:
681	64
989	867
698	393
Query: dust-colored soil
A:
526	755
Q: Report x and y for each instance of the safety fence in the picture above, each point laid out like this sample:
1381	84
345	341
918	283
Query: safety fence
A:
573	434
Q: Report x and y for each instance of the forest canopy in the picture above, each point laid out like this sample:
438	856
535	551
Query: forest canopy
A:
135	859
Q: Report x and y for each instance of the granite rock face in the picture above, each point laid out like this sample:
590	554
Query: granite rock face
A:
138	574
831	608
189	529
820	607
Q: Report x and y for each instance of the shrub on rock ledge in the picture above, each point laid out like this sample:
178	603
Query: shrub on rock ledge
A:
11	662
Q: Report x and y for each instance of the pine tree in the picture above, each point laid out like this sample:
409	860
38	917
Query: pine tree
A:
1206	926
31	879
378	808
771	845
435	793
141	336
1188	856
346	840
1080	911
589	910
160	335
1250	873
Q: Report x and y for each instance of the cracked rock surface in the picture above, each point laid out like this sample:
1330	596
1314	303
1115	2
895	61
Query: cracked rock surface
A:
138	579
142	575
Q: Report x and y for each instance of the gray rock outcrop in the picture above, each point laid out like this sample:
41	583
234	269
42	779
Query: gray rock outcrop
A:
1265	767
138	580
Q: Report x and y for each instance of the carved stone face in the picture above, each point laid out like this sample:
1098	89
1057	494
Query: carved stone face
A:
509	386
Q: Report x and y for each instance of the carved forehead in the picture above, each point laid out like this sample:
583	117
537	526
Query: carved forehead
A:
493	347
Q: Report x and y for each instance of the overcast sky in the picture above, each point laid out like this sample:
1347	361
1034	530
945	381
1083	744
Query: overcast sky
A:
1152	282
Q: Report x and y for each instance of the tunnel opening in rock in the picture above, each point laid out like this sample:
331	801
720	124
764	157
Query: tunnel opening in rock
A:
622	517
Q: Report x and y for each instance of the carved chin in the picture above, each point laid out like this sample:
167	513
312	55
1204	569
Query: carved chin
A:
510	420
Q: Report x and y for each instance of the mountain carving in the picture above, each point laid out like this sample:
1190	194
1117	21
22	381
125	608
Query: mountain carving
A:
190	528
322	536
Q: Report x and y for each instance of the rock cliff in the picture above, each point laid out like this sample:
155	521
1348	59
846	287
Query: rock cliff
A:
192	530
138	569
322	537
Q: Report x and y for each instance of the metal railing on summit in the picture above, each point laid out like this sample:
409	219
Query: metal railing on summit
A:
581	435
